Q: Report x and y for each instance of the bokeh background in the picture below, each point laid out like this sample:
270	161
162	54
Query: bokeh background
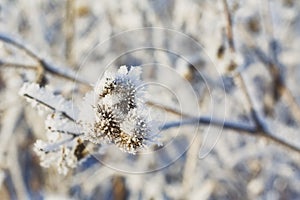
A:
184	51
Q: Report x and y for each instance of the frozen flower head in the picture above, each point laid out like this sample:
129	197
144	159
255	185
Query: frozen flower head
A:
115	112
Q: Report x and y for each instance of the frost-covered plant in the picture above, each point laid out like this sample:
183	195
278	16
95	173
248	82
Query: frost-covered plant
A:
120	115
113	112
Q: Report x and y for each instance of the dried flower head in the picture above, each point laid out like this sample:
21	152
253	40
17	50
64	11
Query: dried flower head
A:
118	111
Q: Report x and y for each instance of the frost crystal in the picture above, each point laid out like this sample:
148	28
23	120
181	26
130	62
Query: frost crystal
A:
117	104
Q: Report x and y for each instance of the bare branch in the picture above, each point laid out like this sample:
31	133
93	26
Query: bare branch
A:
168	109
280	88
229	28
69	27
207	120
55	146
230	125
261	128
7	39
17	65
51	107
66	132
47	67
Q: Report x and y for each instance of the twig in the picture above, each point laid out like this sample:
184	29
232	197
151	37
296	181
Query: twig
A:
291	101
47	67
253	130
17	65
229	29
230	125
259	130
51	107
207	120
238	126
168	109
280	87
55	146
67	132
274	66
69	30
19	45
239	80
260	126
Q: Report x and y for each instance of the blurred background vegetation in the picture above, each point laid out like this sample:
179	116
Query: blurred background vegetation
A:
259	39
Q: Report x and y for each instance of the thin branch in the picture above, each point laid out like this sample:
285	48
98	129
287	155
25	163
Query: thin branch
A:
253	130
51	107
259	130
280	87
250	102
238	126
55	146
17	65
260	126
168	109
229	28
291	101
69	27
63	73
207	120
239	78
47	67
7	39
66	132
230	125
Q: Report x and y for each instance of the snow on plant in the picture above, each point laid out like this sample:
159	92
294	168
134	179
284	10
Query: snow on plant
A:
113	112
